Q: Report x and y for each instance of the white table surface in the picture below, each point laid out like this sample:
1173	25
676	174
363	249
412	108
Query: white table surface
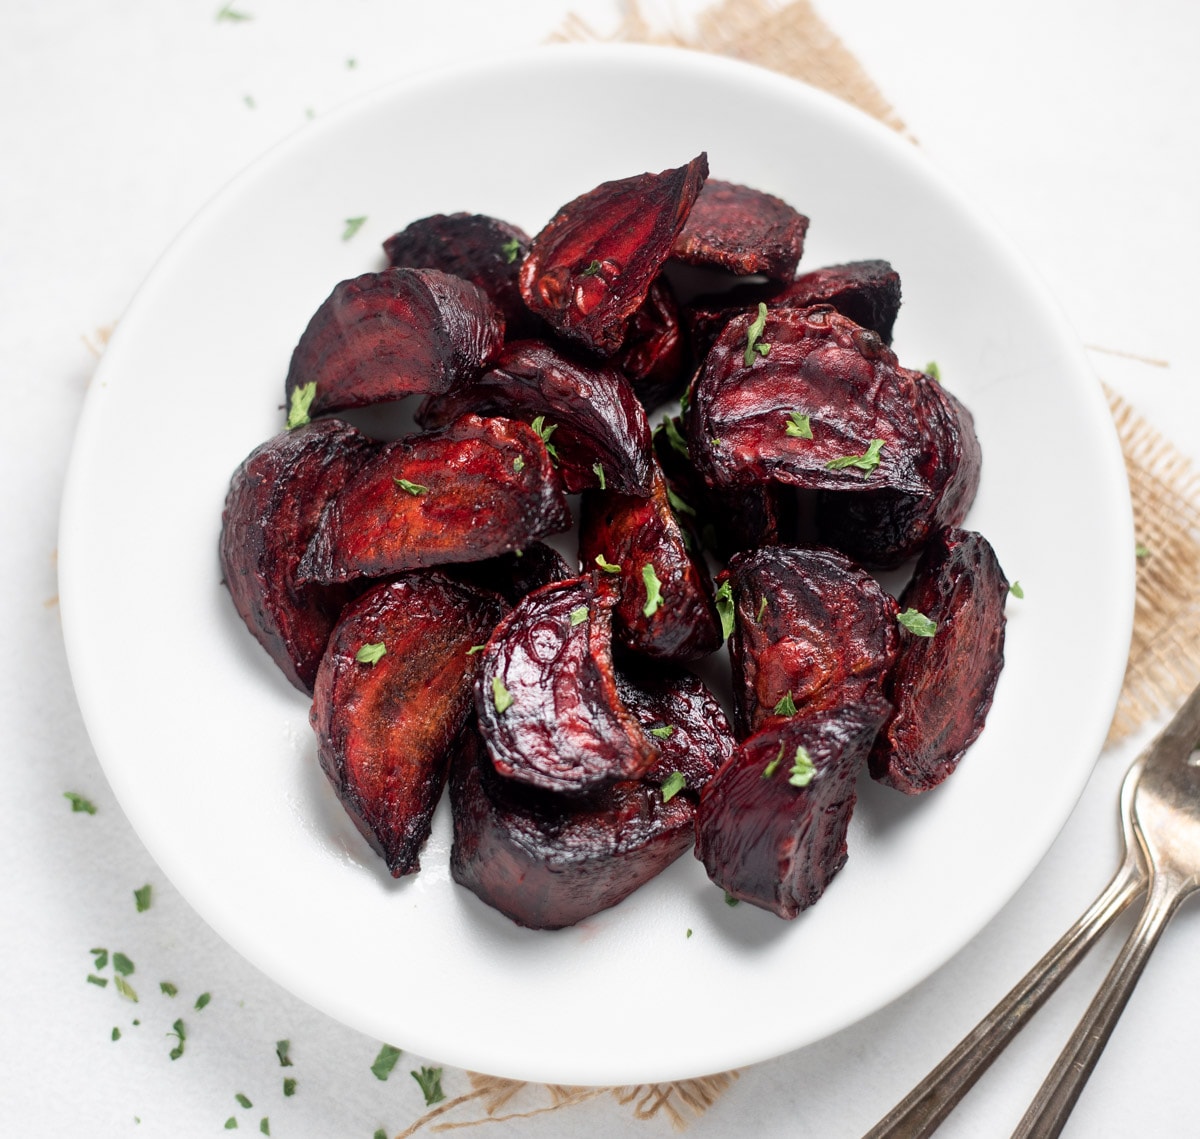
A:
1073	123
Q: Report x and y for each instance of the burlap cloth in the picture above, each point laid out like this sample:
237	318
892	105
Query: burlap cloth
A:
1164	661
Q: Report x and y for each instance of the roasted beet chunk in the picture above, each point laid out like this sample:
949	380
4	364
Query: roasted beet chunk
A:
515	574
546	697
868	292
772	824
546	861
811	631
590	268
483	250
655	355
742	230
665	607
476	489
943	682
392	693
275	499
385	335
593	423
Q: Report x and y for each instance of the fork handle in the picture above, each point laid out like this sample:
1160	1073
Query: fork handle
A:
1048	1112
928	1104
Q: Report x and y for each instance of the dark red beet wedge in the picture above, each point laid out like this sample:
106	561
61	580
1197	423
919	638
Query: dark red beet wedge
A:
392	694
589	270
275	500
655	356
515	574
546	697
811	631
772	824
868	292
475	489
382	336
942	685
590	415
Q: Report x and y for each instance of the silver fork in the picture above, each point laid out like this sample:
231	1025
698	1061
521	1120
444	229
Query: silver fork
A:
1160	822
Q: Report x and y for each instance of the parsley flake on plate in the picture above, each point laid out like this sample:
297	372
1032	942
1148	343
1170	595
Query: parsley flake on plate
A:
141	899
353	225
79	804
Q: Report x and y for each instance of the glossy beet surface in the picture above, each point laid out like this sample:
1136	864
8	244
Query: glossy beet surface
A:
589	412
546	697
655	355
392	693
591	267
811	630
385	335
477	488
517	573
942	685
868	292
773	843
271	511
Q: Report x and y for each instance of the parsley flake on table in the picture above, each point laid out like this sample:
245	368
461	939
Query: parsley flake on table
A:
917	623
264	1125
101	957
371	653
385	1061
79	804
353	225
754	343
606	565
501	697
302	398
1141	551
180	1034
166	987
202	1000
413	488
101	982
430	1081
231	1123
654	597
289	1086
122	964
799	426
125	988
803	768
672	785
243	1099
866	462
281	1050
116	1033
786	705
380	1134
141	899
724	600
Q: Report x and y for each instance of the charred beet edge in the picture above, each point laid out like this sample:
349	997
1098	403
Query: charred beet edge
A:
654	356
590	268
476	489
483	250
742	230
385	335
515	574
590	414
867	292
275	500
392	693
811	631
665	608
942	685
772	824
546	697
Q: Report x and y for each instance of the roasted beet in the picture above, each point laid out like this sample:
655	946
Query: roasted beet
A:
483	250
546	861
868	292
590	416
771	829
654	356
942	684
382	336
475	489
392	693
546	697
742	230
811	631
665	607
589	270
517	573
275	499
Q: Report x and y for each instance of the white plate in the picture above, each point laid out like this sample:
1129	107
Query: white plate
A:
209	750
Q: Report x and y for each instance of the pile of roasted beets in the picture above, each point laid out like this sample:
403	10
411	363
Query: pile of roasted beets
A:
403	585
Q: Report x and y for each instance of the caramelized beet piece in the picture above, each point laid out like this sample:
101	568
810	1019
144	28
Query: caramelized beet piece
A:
655	357
810	626
589	270
546	698
590	408
382	336
483	250
477	488
665	607
943	685
385	728
275	499
546	861
868	292
517	573
771	829
743	230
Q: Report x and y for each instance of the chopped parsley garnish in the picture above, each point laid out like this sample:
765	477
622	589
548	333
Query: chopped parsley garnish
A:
511	250
116	1033
753	333
678	505
773	765
654	597
125	988
289	1086
265	1125
281	1050
475	649
933	371
101	956
678	443
866	462
202	1000
430	1081
762	608
79	803
122	964
799	426
598	471
231	1123
1017	590
141	899
579	615
518	464
672	785
353	225
371	653
803	769
301	401
380	1134
539	425
385	1061
180	1034
786	705
593	270
663	732
724	600
228	12
501	696
167	988
606	565
413	488
1141	551
730	900
244	1100
917	623
94	980
689	933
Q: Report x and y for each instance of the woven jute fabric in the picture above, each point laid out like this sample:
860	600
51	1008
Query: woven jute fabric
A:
1164	660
